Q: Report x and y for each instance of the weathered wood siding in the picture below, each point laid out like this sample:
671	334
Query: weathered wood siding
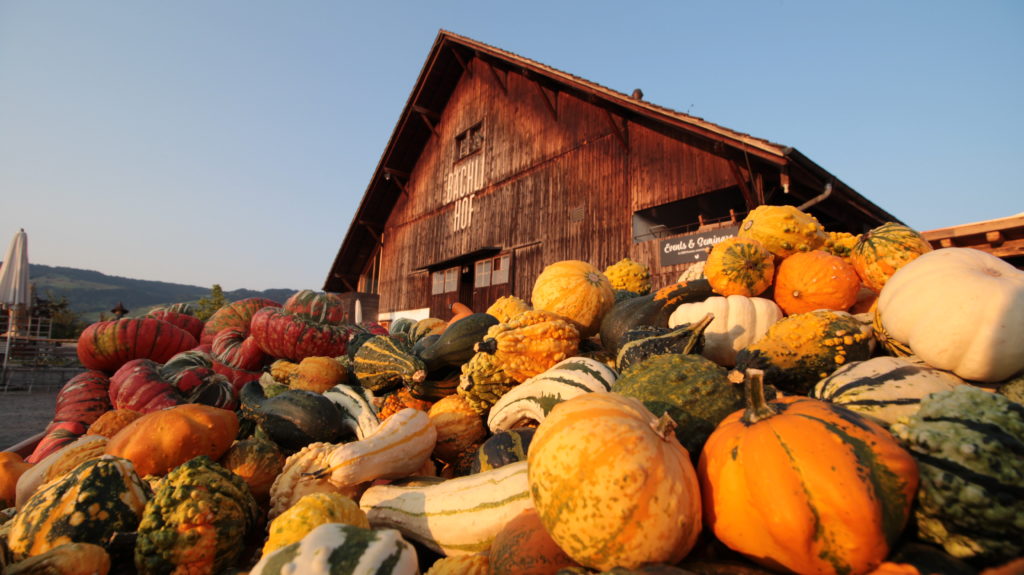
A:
558	181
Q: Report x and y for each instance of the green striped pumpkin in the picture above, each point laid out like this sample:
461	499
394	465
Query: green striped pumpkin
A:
884	387
533	399
85	505
968	444
881	251
340	549
384	363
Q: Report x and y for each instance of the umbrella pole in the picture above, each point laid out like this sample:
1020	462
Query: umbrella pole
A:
7	352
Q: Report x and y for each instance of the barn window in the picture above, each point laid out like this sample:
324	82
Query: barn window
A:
689	214
445	281
469	142
492	271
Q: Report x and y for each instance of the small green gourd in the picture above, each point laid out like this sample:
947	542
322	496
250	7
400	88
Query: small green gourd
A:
384	363
687	338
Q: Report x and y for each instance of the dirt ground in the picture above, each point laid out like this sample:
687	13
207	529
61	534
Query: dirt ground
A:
24	414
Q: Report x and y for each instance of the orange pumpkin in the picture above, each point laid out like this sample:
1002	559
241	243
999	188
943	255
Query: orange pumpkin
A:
112	421
803	485
12	466
161	440
524	547
460	429
612	484
808	281
739	266
575	290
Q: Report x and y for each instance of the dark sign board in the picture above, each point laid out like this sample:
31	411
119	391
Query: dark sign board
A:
692	247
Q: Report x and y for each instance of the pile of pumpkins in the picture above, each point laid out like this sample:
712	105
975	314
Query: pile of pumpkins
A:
815	403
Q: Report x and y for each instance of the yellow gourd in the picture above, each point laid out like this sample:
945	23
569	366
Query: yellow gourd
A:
315	373
309	512
530	343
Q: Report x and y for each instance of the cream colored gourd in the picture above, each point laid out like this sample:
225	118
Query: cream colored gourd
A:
398	448
958	309
885	388
738	322
456	516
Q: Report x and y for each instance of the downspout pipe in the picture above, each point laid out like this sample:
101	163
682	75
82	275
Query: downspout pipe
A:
818	198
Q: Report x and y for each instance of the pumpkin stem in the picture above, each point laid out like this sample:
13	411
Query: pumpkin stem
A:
696	332
758	407
488	345
665	426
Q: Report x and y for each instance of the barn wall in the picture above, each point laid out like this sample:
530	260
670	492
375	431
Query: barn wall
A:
549	185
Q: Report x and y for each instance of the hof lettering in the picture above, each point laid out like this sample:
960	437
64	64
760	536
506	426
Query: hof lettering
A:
694	247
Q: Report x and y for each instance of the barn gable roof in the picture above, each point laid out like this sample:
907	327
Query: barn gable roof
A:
447	61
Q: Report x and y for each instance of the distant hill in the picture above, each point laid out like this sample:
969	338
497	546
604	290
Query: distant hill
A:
90	293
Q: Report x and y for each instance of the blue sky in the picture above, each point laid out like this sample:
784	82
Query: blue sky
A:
230	141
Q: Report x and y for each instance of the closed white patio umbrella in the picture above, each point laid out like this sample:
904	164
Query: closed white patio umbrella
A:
15	292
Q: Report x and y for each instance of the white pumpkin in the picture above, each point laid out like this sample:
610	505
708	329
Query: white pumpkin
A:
884	387
960	310
739	321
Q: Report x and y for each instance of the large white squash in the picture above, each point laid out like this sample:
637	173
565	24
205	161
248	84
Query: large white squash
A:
739	321
958	309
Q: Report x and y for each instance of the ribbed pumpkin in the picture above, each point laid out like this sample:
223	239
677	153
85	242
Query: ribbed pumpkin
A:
878	253
783	230
87	505
739	266
386	362
575	290
460	429
286	335
235	347
806	486
258	462
807	281
185	321
107	345
318	306
235	314
612	484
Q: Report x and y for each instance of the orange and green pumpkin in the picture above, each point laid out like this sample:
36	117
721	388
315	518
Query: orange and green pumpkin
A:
803	485
524	547
196	522
883	250
739	266
612	484
85	505
575	290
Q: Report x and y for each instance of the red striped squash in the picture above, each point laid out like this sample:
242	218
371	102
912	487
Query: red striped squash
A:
802	485
612	484
236	314
187	322
107	345
286	335
235	347
317	306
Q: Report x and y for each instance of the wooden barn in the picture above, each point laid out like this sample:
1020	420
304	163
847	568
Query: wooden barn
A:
500	165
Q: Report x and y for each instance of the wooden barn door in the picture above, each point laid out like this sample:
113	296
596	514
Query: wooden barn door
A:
492	278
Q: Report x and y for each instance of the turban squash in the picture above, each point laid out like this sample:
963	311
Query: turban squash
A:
236	314
803	485
287	335
107	345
